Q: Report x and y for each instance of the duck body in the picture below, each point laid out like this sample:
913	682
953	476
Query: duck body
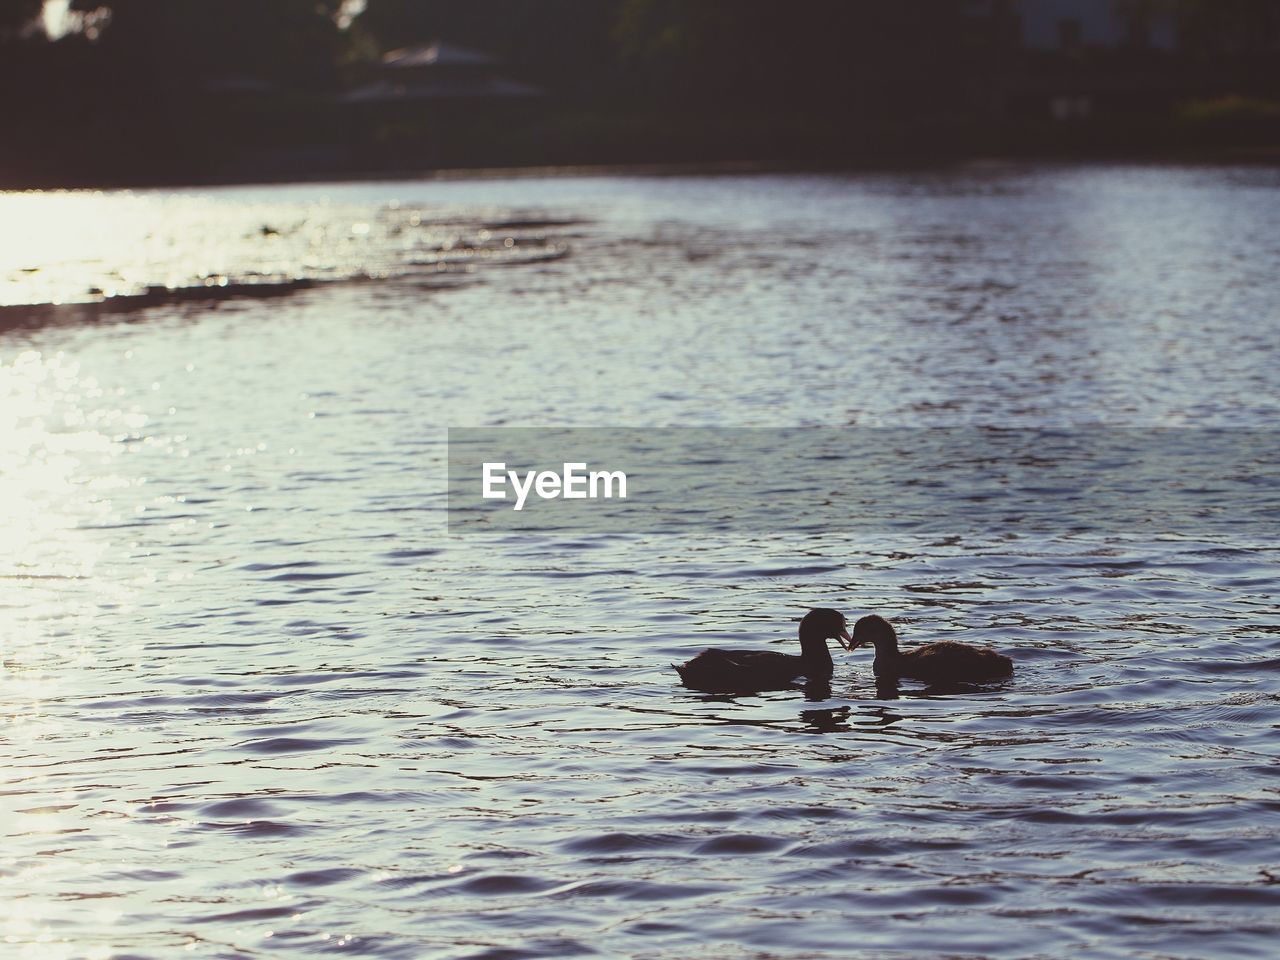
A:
732	671
945	662
935	663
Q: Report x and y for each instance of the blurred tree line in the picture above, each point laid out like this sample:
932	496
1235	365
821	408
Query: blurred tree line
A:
145	90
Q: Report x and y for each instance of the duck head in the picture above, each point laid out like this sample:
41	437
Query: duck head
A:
875	630
825	624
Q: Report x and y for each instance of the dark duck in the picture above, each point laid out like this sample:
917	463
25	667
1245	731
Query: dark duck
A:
733	671
939	663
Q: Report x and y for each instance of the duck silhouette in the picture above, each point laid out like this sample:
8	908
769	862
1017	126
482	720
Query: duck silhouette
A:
945	662
737	671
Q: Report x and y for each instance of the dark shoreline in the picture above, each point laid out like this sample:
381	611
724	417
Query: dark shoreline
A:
1244	155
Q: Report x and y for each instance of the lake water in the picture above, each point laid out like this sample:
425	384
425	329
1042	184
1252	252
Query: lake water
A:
257	702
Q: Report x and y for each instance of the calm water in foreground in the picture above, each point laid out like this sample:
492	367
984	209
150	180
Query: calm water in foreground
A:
256	702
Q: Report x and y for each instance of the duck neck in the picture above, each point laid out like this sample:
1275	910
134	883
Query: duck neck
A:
816	656
886	654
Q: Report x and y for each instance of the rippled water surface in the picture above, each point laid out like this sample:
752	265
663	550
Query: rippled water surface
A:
257	702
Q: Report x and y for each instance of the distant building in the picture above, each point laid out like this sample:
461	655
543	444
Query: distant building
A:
437	104
1068	25
1072	60
436	72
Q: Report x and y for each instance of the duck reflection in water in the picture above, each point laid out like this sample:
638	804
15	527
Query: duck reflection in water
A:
843	719
816	691
831	720
887	688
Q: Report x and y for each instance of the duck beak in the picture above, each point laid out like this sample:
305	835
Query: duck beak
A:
845	640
